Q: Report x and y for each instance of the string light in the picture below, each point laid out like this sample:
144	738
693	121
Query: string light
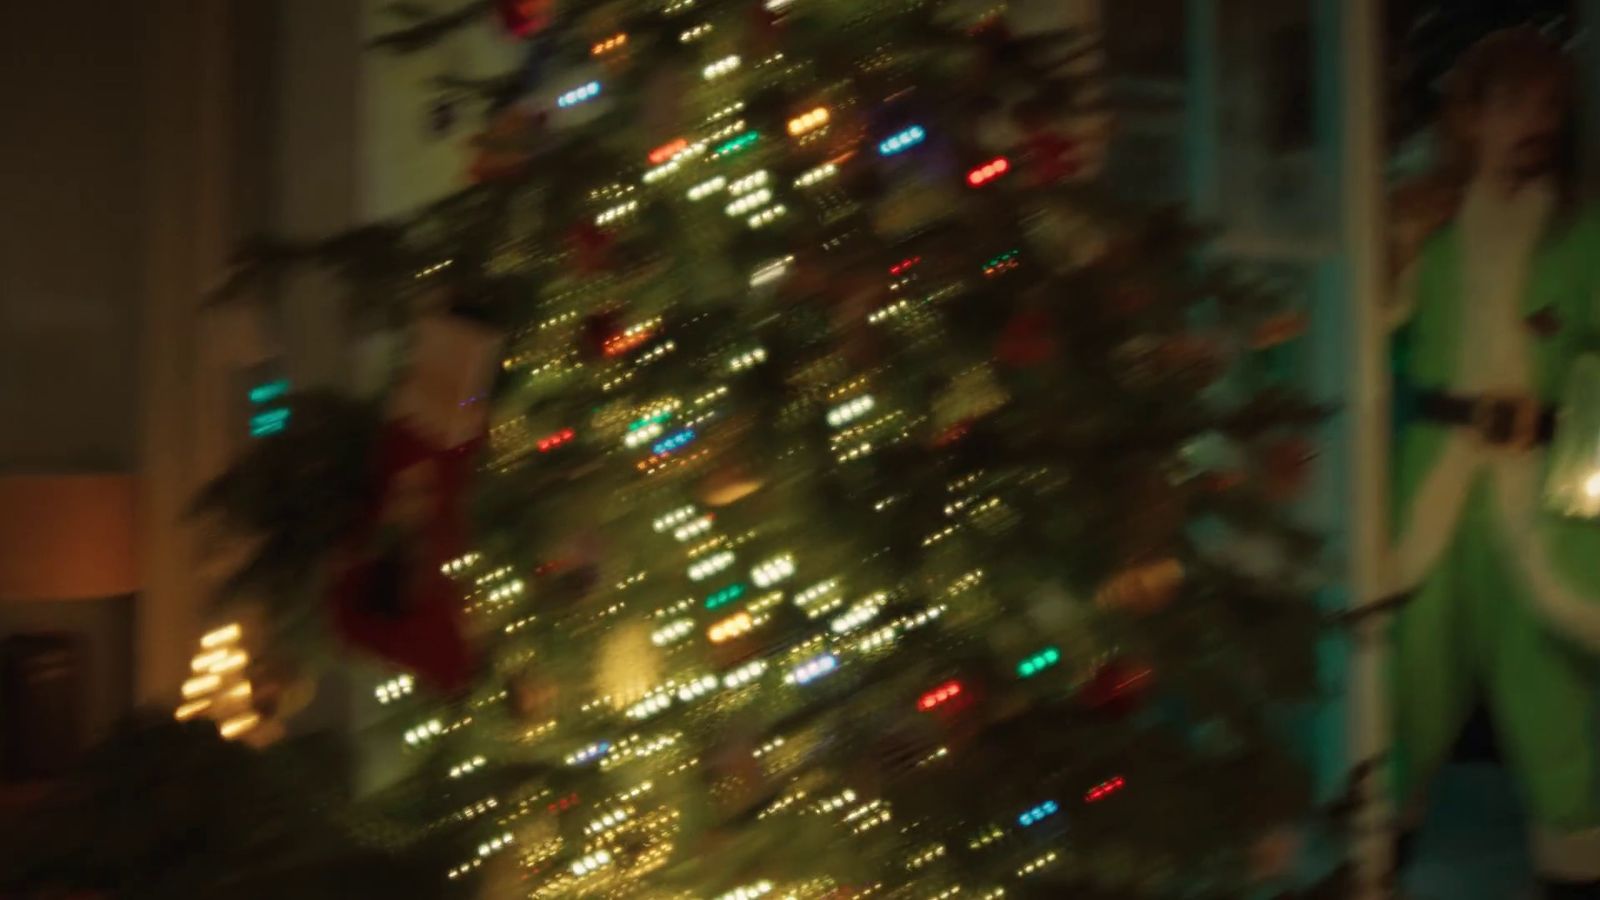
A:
745	674
697	688
1104	789
851	410
395	688
721	67
772	571
589	753
751	892
609	44
771	271
812	669
989	171
735	144
809	121
706	188
753	200
730	628
695	33
816	175
694	529
901	141
1038	662
592	862
672	633
725	596
750	182
617	212
860	614
677	441
904	265
673	519
560	438
747	359
1038	813
766	217
1001	264
579	94
667	151
939	696
710	566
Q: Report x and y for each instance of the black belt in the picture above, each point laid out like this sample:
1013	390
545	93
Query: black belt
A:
1507	420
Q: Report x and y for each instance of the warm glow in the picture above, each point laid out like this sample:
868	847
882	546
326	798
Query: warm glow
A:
194	687
239	724
227	634
809	121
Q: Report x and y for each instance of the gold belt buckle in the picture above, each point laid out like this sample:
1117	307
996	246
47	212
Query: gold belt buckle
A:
1523	433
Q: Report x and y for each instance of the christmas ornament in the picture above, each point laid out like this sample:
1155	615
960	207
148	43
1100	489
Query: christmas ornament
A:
1286	467
505	147
601	331
736	779
629	665
591	246
1117	688
1273	855
531	698
1155	514
1142	589
524	18
728	485
1545	323
1027	340
1050	158
1279	329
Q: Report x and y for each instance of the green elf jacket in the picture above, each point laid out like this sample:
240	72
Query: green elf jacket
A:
1561	295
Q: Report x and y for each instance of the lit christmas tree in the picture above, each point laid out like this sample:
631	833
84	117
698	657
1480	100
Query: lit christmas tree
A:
803	482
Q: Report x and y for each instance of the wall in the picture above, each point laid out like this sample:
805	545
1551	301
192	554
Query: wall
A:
71	192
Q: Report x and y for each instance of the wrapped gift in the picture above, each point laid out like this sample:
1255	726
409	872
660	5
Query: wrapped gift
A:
1572	484
444	396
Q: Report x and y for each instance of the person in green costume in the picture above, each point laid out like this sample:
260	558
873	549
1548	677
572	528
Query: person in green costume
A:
1496	303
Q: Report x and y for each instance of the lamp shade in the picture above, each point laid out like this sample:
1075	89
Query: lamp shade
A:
67	537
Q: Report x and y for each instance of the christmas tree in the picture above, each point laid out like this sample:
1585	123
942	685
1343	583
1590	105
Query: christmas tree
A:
803	480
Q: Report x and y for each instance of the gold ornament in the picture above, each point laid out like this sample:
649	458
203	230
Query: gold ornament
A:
1142	589
629	665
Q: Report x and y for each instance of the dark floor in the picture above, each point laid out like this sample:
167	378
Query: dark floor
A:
1473	845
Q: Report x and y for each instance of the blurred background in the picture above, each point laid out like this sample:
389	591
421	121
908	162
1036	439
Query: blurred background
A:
141	145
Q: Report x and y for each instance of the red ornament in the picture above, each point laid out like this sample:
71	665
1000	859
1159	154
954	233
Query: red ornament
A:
524	18
390	597
1028	340
1280	328
591	247
1286	468
1118	688
1051	157
504	148
602	331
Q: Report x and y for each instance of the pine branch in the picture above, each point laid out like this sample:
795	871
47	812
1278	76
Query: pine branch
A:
431	31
